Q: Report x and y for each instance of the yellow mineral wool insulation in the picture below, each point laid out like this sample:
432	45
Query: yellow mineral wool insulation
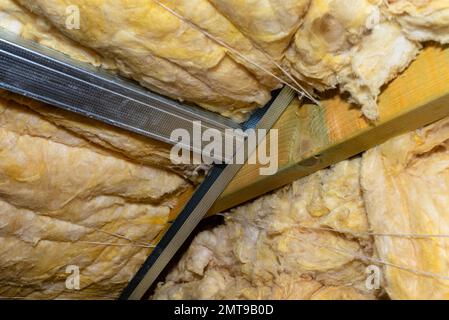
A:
315	238
16	19
282	246
227	55
350	45
205	18
322	46
422	20
270	24
66	202
380	58
406	190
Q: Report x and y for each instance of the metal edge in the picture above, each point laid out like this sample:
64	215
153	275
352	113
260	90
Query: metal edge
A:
200	203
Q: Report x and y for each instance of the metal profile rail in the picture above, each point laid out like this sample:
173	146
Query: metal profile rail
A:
54	78
200	203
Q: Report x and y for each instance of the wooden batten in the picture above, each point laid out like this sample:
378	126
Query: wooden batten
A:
312	138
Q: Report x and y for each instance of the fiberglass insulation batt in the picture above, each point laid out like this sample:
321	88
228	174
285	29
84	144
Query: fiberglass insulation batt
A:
67	200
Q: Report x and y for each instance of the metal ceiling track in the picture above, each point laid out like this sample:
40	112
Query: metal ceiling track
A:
49	76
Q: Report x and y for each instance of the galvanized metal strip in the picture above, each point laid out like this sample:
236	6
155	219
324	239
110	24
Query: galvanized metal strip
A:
54	78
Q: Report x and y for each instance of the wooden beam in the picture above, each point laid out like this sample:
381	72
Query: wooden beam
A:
312	138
